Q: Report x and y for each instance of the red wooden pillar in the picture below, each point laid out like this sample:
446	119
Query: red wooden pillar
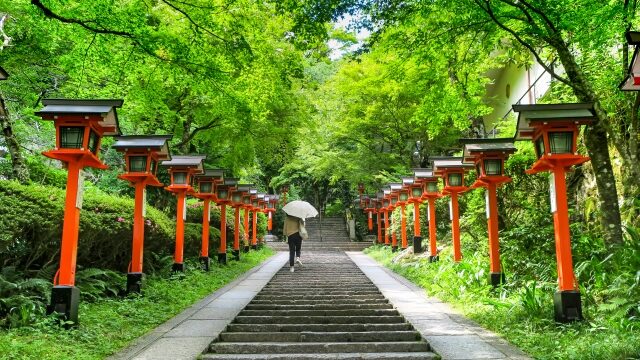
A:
254	240
379	223
222	249
247	214
403	226
455	227
204	249
394	236
433	246
386	228
138	230
566	277
236	234
492	226
178	261
70	226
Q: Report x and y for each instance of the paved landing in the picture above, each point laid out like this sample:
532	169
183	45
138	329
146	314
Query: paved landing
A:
450	335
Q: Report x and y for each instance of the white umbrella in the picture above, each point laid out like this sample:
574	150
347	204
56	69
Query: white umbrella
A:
300	209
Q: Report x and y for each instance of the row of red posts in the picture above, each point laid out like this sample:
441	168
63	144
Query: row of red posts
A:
554	130
80	126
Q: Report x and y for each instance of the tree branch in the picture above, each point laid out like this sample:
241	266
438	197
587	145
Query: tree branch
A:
198	26
83	23
210	125
519	39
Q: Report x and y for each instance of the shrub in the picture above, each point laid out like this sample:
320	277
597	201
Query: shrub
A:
31	228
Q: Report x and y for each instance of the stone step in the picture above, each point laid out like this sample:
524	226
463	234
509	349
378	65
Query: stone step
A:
317	347
318	320
309	336
286	286
318	301
317	306
317	327
299	292
335	313
324	356
345	298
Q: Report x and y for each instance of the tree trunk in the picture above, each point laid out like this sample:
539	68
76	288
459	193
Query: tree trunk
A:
597	146
20	171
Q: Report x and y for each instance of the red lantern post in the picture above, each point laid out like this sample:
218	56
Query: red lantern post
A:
414	187
379	216
182	169
142	155
207	184
254	224
80	125
246	208
430	192
488	156
452	170
223	198
554	130
393	197
237	204
386	209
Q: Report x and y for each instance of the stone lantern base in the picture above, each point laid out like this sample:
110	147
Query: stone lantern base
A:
568	306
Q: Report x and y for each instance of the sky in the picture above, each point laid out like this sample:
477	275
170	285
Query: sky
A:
336	47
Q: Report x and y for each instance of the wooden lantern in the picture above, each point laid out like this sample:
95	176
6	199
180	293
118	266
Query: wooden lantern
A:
142	155
554	130
80	126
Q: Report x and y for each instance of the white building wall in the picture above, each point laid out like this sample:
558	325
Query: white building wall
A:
514	85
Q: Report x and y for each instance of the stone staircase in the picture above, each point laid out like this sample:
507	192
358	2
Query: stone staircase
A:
326	309
332	236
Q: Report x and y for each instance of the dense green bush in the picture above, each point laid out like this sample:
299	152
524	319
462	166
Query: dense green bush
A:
31	227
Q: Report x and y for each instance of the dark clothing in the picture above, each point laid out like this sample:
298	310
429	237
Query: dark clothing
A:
295	242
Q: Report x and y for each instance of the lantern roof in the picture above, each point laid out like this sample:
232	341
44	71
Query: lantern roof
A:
157	143
629	82
395	186
212	175
474	147
449	162
3	74
186	162
529	115
424	173
104	108
244	188
386	191
407	180
231	181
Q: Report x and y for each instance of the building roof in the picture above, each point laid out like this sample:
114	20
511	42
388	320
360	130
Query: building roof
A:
395	186
581	113
157	143
104	108
186	162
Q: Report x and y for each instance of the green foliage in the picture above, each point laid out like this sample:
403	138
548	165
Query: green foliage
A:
522	309
31	229
108	325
